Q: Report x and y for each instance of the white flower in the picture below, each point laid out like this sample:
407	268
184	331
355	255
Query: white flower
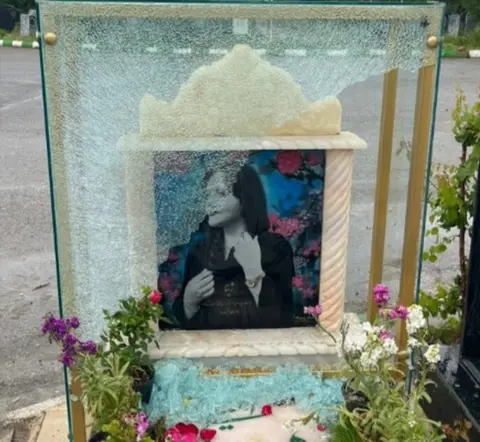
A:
432	355
390	347
413	343
355	341
415	320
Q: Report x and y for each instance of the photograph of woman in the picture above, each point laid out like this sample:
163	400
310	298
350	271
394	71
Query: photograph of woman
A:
244	239
240	275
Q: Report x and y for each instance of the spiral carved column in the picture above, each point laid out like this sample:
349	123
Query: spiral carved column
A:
336	213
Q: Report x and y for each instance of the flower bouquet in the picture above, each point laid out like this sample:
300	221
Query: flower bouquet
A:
379	406
110	374
129	334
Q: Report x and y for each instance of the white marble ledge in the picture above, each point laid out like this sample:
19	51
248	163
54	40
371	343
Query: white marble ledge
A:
251	343
343	141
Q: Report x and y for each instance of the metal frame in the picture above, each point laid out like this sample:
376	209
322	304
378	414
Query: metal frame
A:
423	120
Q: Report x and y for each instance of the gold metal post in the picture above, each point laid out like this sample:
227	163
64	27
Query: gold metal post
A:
77	411
416	193
384	161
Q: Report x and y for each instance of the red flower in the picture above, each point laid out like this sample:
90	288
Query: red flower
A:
267	410
288	161
207	434
185	429
155	297
321	427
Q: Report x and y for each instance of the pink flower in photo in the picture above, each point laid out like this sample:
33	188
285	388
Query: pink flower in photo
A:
313	159
298	282
289	161
172	256
313	249
308	292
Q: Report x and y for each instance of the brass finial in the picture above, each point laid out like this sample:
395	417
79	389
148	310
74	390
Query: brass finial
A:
432	42
50	38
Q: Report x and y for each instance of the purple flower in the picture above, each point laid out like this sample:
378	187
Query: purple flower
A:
141	426
69	340
73	322
67	359
88	347
381	295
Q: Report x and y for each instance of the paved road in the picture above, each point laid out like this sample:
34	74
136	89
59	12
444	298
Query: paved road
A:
28	371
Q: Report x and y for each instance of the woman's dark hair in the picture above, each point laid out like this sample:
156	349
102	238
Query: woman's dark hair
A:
249	190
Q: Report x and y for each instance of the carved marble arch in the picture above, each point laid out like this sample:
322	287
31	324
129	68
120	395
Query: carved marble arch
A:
242	102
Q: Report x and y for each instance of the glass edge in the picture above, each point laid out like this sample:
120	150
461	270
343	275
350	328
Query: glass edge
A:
410	377
433	4
52	209
429	160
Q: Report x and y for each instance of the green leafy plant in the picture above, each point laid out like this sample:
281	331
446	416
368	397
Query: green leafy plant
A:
378	405
128	429
107	389
128	333
451	202
344	431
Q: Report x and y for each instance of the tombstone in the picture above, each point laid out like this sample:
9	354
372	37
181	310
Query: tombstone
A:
162	158
453	24
32	16
24	25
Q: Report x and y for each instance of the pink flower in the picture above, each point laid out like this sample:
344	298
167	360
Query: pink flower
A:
381	295
155	297
384	335
289	161
313	159
182	433
298	281
187	429
267	410
401	312
207	434
314	311
321	427
173	435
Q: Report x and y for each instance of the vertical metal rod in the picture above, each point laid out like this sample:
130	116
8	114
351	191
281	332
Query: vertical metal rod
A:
416	194
384	160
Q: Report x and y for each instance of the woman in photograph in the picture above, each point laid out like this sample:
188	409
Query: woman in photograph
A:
240	276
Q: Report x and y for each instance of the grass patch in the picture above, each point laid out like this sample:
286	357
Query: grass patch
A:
15	35
462	42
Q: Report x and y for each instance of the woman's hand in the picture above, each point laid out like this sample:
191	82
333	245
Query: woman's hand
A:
198	288
249	255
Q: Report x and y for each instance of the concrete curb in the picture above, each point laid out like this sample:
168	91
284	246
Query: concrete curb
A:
33	410
475	53
19	44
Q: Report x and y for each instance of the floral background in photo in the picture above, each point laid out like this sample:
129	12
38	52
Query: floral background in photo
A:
293	183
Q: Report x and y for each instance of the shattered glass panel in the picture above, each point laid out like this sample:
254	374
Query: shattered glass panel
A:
117	78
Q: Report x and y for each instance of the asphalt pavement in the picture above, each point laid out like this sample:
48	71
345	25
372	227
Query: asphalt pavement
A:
29	372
